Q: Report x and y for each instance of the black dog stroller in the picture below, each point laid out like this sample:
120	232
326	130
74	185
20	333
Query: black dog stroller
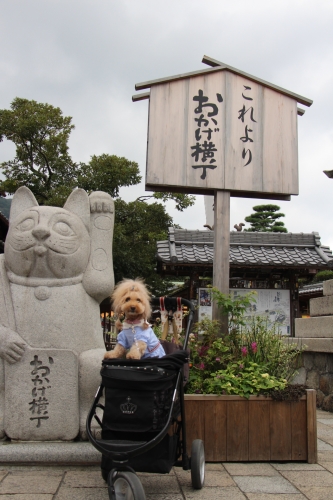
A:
143	425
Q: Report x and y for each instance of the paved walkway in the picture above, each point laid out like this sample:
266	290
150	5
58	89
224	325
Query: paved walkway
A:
228	481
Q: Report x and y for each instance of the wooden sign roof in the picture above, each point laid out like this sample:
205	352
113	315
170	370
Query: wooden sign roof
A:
222	129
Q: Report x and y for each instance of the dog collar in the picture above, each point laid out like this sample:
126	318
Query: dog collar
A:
127	323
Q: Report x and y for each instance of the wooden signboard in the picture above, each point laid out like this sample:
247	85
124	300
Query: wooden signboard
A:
224	132
220	130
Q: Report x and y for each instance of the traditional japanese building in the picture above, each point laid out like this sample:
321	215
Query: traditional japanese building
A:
270	263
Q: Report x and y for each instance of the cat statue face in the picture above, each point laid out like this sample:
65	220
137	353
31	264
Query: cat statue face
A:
48	242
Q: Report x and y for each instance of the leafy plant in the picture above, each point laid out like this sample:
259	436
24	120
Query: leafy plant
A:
242	380
323	276
234	307
252	358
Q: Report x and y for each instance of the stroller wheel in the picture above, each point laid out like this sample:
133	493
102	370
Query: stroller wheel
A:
197	464
125	486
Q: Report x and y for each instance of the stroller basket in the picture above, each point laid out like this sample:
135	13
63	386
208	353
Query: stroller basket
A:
139	394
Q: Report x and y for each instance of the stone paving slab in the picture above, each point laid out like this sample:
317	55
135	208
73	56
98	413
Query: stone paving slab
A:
31	481
328	466
231	493
212	479
215	466
165	496
326	421
82	494
264	484
270	496
325	456
154	485
324	432
297	466
323	446
250	469
84	479
318	493
324	414
310	479
26	496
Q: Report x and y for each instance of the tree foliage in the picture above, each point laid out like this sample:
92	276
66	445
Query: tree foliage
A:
138	225
108	173
265	218
182	200
42	163
40	133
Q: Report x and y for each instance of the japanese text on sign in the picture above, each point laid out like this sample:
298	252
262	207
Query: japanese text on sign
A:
246	115
207	125
41	383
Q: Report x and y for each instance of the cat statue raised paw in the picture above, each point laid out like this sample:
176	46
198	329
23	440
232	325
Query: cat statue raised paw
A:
56	269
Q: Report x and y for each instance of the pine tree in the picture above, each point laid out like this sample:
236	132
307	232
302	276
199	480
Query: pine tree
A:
265	219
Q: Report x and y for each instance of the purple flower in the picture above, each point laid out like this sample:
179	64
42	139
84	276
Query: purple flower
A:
244	351
202	366
254	347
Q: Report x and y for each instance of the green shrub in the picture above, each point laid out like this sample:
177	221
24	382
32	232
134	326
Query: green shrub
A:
252	358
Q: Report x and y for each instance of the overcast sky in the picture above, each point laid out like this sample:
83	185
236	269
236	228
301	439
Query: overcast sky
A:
86	56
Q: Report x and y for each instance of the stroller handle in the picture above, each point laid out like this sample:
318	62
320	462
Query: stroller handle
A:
171	303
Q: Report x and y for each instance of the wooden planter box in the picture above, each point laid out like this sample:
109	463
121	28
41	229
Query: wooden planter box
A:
235	429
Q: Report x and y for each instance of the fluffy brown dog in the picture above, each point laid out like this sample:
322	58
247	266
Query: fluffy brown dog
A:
131	299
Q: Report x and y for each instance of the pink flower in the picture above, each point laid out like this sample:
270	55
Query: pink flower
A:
217	359
202	366
241	367
244	351
254	347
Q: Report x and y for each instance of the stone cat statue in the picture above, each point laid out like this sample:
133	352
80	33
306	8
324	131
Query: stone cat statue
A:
56	269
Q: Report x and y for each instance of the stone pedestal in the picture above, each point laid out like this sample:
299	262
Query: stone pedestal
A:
42	396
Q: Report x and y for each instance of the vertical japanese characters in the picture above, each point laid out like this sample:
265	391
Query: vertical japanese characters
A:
41	383
207	116
207	126
246	115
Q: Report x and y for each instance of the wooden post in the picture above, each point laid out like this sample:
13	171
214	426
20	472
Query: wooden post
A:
221	250
312	426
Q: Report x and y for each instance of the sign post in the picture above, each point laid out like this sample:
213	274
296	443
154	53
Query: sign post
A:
221	249
222	132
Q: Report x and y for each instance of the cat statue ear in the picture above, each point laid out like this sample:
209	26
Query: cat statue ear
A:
22	200
79	204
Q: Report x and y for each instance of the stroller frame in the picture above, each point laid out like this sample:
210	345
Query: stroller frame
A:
118	453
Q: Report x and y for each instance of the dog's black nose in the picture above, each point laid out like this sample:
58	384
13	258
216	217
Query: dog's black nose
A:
133	309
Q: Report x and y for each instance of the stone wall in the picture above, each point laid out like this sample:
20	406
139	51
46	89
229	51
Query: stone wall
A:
316	334
317	373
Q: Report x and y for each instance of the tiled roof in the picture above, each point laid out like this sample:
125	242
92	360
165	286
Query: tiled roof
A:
246	249
312	288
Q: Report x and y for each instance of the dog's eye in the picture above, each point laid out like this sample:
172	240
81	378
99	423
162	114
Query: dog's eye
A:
138	300
127	299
